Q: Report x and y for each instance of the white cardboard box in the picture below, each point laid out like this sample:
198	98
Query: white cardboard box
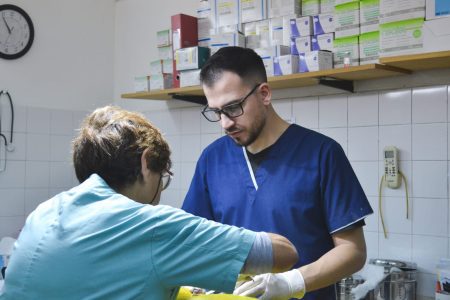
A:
401	37
315	61
253	10
141	84
323	23
227	12
369	48
436	35
300	27
437	9
279	30
190	78
347	47
226	39
160	82
327	6
205	28
310	7
322	42
165	52
156	67
301	45
346	19
164	38
285	65
206	9
398	10
267	54
281	8
369	15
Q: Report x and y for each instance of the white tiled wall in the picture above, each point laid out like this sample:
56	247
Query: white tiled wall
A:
416	121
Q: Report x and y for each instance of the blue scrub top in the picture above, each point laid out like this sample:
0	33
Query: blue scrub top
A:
304	189
93	243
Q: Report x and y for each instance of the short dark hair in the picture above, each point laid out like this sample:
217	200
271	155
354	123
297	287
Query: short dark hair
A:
111	142
241	61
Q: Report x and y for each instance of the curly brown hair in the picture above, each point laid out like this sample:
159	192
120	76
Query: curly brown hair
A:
111	142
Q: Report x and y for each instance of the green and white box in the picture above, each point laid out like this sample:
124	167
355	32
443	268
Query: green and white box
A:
327	6
191	58
267	55
346	19
310	7
167	65
253	10
369	15
165	52
281	8
369	48
402	37
346	48
141	84
156	67
160	82
163	38
189	78
399	10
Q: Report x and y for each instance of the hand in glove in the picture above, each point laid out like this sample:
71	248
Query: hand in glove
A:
274	286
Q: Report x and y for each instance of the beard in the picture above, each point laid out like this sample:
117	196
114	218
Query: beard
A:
253	131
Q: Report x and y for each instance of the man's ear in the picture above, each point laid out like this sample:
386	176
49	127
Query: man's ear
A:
144	169
266	92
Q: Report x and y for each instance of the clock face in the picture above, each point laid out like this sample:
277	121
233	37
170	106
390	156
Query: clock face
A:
16	32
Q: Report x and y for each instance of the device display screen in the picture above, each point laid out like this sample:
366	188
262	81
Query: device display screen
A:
389	154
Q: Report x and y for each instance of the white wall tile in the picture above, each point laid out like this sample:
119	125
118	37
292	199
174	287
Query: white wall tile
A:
207	139
172	198
190	147
12	202
169	122
190	120
398	136
363	143
174	142
34	197
13	176
61	122
367	174
20	118
429	179
430	216
395	107
363	110
306	112
429	141
396	246
283	108
426	284
176	180
425	256
38	147
373	219
19	147
404	167
394	215
429	104
332	111
337	134
61	148
371	245
209	127
37	174
77	119
11	226
55	191
187	172
61	174
38	120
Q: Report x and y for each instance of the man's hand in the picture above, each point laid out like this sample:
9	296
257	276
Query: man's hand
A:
274	286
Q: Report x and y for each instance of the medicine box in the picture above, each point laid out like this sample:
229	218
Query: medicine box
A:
323	23
189	78
281	8
369	48
191	58
206	9
300	27
267	54
285	65
315	61
300	45
253	10
437	9
156	67
436	35
227	12
401	37
399	10
160	82
346	48
327	6
369	15
322	42
346	19
163	38
184	31
225	40
165	52
141	84
280	30
310	7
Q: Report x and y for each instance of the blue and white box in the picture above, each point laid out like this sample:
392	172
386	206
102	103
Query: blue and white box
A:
323	23
267	55
300	27
322	42
315	61
300	45
285	65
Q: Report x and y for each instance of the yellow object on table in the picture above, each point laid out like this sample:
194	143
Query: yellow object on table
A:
184	294
220	297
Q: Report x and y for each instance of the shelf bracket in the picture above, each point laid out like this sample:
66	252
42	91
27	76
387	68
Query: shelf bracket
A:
190	98
346	85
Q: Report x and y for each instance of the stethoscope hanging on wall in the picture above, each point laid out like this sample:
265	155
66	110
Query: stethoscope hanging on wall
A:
8	144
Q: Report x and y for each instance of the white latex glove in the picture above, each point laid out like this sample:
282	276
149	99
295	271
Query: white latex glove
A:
274	286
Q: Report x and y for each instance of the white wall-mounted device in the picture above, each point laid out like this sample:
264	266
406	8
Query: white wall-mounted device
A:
391	170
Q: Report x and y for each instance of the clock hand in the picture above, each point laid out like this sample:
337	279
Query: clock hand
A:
7	26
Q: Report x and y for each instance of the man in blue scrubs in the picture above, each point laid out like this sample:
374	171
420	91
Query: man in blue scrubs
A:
268	175
102	239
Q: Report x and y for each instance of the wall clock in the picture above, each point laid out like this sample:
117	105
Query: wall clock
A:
16	32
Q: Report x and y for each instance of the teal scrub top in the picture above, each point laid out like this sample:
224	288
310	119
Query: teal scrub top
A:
93	243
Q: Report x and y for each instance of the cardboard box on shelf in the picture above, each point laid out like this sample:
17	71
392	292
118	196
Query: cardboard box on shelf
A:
253	10
227	12
285	65
156	67
346	49
280	30
327	6
160	82
401	37
226	39
206	9
205	28
323	23
322	42
399	10
369	48
141	84
300	27
310	7
369	15
191	58
184	31
163	38
267	54
315	61
189	78
281	8
437	9
300	45
346	19
165	53
436	35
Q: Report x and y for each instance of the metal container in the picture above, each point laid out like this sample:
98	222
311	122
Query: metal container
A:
400	283
345	286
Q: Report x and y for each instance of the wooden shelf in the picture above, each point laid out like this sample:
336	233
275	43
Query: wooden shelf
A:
388	66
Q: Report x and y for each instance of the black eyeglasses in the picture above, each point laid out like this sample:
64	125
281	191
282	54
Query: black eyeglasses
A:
232	110
164	182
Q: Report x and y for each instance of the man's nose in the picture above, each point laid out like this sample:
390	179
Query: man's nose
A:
225	121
